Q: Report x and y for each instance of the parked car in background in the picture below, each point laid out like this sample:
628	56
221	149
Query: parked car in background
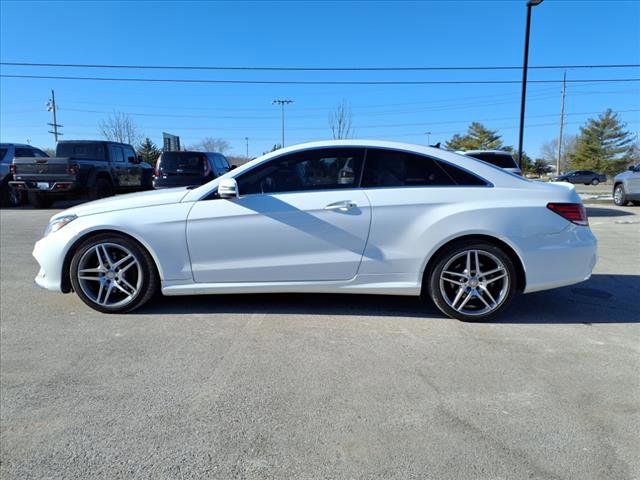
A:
342	216
9	196
95	168
626	186
581	176
499	158
184	169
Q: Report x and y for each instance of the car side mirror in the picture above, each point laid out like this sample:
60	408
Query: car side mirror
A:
228	188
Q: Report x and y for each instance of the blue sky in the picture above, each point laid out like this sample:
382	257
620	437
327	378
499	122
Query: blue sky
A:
343	34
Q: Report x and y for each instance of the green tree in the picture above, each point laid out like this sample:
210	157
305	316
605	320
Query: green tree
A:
477	137
149	151
603	145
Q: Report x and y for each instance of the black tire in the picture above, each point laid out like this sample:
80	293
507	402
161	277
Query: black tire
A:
595	182
636	203
101	189
502	296
149	280
4	195
619	195
40	200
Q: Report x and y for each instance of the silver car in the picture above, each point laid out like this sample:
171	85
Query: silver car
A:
626	186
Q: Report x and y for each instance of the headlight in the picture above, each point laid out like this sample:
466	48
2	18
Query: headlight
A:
58	223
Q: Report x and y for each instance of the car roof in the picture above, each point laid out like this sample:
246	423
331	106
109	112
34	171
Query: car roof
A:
16	145
472	152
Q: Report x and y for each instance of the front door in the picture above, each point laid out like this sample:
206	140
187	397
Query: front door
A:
299	218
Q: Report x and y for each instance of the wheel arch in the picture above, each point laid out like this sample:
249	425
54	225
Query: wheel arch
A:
65	280
508	249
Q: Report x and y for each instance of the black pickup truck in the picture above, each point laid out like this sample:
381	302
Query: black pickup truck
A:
81	167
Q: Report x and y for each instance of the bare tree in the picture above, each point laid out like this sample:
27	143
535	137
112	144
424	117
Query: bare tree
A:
549	151
210	144
120	127
340	121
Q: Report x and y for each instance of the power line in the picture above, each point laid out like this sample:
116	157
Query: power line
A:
315	82
315	69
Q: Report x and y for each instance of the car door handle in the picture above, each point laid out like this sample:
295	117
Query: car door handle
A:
343	206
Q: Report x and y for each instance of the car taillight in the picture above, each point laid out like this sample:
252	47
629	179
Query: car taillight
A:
73	169
12	169
156	172
574	212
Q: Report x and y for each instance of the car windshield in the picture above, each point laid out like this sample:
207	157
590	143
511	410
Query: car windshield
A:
94	151
191	163
502	160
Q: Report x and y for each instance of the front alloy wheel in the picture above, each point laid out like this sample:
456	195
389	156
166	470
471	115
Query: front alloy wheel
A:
473	282
113	274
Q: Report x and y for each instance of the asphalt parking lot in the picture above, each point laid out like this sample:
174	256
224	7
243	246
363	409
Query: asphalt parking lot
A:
322	386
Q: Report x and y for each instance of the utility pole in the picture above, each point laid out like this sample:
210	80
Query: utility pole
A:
246	139
525	66
51	107
282	102
428	134
564	92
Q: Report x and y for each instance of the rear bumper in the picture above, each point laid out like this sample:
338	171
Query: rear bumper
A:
44	187
561	259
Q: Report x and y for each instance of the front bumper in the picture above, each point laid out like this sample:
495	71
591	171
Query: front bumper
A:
50	255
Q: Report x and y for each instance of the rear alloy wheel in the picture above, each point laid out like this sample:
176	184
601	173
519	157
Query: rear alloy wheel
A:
113	274
472	282
619	196
595	182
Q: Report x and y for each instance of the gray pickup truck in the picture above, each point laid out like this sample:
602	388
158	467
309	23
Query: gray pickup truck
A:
94	168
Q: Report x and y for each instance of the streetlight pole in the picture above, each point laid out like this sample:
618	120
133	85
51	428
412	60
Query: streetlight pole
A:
246	139
282	102
428	134
530	5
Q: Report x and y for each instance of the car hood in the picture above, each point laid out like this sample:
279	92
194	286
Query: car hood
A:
622	176
128	201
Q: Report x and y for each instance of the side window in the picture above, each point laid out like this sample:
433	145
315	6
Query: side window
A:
23	152
116	154
39	153
221	163
129	153
462	177
323	169
391	168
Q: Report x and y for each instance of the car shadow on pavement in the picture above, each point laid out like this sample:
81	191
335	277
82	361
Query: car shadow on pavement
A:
601	299
607	212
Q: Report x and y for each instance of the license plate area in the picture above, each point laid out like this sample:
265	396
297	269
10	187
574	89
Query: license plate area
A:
42	185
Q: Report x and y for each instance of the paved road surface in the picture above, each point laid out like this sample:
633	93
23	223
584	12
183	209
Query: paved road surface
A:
299	386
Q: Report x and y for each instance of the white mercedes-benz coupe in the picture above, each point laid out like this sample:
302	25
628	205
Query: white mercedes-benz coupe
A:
344	216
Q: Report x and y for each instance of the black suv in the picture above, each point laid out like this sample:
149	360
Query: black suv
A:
93	167
184	169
